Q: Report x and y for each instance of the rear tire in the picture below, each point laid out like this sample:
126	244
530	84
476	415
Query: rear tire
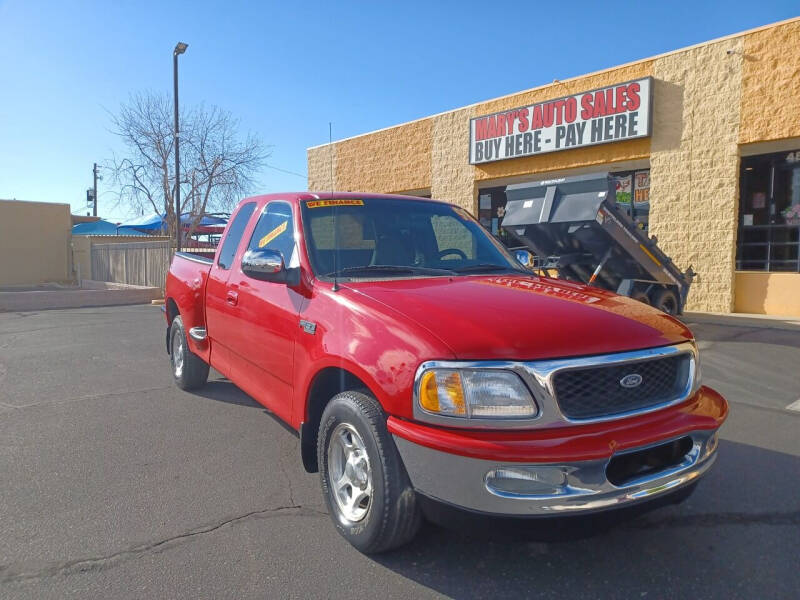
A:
641	297
666	301
364	482
188	370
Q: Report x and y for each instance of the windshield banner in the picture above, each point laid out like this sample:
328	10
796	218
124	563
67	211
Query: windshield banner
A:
610	114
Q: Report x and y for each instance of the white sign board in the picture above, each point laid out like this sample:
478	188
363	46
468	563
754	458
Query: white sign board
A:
611	114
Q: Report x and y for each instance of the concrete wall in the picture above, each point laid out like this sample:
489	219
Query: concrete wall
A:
34	243
709	101
768	293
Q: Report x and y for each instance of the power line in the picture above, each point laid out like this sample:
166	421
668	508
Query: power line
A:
286	171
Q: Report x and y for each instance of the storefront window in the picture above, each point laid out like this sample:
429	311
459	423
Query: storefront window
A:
769	213
633	195
492	209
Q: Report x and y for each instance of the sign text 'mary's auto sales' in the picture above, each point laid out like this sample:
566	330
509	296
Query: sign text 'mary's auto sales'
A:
614	113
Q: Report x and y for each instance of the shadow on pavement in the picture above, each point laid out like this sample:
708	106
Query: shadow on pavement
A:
709	546
223	390
740	332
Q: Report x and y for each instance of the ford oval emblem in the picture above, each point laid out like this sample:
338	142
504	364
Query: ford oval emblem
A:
631	381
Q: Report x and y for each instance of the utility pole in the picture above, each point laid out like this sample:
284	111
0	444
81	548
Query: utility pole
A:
94	204
180	48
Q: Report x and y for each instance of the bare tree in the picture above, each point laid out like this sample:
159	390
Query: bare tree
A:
217	165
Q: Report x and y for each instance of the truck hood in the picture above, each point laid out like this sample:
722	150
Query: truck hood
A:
519	317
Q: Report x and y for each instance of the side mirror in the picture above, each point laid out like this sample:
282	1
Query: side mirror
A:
264	265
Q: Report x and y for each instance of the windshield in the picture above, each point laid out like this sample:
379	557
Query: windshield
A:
379	238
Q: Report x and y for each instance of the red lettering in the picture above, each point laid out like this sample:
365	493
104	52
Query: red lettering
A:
547	114
481	129
570	110
510	118
621	98
610	108
537	117
586	105
492	131
633	96
599	104
558	106
523	120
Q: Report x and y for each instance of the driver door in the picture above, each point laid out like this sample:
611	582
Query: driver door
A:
269	313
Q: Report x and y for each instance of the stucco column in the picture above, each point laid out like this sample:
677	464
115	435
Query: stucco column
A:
694	166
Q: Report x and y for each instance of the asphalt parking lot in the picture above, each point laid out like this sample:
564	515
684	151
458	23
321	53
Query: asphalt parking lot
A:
115	484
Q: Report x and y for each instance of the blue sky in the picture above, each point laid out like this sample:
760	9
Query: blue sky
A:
286	69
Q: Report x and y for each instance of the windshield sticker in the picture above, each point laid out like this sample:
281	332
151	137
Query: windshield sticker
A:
339	202
272	234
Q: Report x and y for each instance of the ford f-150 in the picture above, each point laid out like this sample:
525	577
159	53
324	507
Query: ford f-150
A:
423	366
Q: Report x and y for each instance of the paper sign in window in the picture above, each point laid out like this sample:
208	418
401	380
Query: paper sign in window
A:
337	202
272	234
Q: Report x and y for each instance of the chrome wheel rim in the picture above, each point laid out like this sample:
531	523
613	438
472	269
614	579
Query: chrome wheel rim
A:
177	353
349	473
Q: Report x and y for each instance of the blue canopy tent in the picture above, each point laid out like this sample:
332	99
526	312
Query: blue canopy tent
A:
102	227
157	223
149	223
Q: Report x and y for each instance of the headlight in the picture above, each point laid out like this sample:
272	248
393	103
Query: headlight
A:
475	394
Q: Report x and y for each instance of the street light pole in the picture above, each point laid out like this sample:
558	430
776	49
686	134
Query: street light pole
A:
180	48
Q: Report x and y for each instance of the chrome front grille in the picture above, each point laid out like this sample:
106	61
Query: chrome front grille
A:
598	391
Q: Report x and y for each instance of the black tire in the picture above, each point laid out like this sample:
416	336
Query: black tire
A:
666	301
188	370
641	297
392	515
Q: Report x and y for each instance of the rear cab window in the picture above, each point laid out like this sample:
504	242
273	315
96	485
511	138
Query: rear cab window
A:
234	235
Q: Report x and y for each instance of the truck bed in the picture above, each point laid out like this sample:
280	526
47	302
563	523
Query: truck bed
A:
186	287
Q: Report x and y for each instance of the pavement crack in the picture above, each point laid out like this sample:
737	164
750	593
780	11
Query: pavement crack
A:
11	573
90	397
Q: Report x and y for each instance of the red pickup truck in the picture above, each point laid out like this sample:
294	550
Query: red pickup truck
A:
424	367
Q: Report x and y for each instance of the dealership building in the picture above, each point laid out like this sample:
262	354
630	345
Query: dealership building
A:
703	143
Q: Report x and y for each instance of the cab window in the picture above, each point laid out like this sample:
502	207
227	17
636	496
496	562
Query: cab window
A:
275	231
234	236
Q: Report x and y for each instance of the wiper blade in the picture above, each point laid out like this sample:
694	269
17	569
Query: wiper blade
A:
372	269
485	267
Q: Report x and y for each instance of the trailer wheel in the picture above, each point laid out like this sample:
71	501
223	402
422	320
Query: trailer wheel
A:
641	297
666	301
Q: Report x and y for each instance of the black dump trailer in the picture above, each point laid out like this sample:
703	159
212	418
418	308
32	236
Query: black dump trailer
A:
574	226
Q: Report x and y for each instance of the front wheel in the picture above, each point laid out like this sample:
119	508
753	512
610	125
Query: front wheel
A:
366	487
189	370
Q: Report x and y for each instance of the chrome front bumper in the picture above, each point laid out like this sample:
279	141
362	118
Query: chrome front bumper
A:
505	488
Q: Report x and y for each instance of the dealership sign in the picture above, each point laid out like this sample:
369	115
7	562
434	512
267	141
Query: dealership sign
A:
610	114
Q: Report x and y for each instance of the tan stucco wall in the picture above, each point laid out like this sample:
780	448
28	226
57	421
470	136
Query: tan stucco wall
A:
34	243
452	177
392	160
709	100
768	293
694	167
770	104
82	249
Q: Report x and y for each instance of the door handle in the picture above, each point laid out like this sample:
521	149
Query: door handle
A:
232	298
